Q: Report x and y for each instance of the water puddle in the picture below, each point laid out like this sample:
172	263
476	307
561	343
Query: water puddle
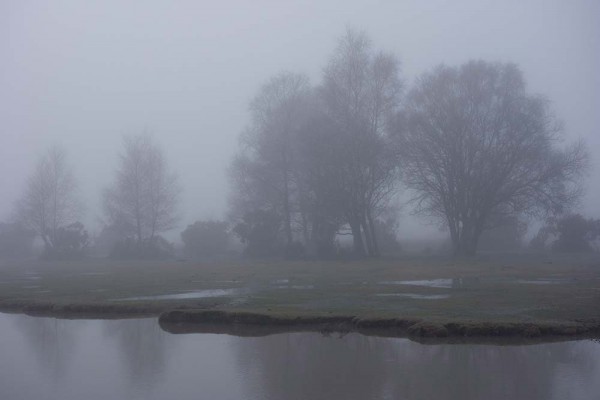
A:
285	284
297	287
416	296
547	281
199	294
435	283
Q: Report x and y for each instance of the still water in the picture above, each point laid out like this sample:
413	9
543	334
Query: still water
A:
46	358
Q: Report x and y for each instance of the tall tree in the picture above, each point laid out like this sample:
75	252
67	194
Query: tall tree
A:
360	90
264	171
50	200
144	195
475	146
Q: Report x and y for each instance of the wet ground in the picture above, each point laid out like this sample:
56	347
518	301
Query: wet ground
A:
518	288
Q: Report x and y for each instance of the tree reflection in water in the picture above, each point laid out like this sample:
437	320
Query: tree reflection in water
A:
360	367
67	360
141	346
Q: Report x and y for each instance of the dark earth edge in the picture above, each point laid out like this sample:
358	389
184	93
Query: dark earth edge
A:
179	320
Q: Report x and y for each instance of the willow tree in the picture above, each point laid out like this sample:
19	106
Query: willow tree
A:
476	146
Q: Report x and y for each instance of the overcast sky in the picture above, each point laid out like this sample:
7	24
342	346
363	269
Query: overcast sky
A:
83	73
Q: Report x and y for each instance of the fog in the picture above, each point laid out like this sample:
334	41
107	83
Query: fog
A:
83	74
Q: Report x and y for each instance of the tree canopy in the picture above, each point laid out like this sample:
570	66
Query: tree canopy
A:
475	146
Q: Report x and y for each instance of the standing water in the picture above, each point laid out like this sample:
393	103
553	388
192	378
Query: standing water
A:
46	358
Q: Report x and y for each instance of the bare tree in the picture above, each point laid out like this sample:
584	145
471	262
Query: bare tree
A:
50	200
361	89
144	194
474	146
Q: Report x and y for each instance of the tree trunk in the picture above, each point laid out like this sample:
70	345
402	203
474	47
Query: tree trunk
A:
286	204
466	239
368	237
375	244
357	239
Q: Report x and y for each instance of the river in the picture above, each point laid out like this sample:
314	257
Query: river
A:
47	358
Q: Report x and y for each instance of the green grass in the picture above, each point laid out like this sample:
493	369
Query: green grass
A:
538	289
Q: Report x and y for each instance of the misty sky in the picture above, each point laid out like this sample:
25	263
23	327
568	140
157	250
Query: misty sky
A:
82	74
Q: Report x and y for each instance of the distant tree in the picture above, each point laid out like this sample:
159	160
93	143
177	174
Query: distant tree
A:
144	195
576	234
318	159
16	241
50	200
264	173
259	231
360	91
475	146
205	239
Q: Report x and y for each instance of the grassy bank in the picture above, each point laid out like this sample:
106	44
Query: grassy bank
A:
521	296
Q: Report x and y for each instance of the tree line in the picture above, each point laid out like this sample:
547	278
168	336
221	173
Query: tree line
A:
473	148
469	143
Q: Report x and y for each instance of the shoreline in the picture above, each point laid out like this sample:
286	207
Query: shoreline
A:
529	298
183	318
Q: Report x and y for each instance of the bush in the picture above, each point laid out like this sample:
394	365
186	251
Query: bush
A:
205	239
70	242
576	234
259	232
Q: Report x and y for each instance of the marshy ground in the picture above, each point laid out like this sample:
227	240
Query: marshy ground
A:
489	289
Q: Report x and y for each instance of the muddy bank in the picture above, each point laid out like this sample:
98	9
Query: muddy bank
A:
85	310
183	317
241	323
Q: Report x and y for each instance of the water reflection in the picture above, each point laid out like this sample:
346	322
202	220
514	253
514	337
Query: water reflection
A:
140	346
61	359
51	344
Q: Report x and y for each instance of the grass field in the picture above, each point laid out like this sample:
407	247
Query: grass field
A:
531	289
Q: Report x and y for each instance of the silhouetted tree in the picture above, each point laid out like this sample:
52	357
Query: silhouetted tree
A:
144	195
474	146
205	238
50	200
